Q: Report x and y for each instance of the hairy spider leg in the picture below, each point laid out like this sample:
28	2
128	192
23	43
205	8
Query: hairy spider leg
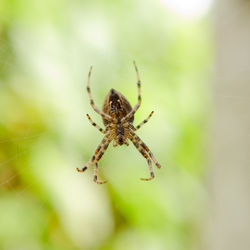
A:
100	149
136	142
98	158
96	174
132	112
144	121
100	112
144	146
95	125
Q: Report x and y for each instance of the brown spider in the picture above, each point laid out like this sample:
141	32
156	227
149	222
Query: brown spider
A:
118	116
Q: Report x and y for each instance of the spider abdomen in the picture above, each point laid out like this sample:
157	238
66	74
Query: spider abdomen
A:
117	106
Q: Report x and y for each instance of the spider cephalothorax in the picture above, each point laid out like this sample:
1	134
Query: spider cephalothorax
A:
118	117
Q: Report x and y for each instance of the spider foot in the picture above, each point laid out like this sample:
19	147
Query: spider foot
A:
147	179
99	182
81	170
150	178
158	165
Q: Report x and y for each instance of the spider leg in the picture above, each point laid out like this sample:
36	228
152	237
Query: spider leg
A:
145	147
100	112
145	155
99	150
96	174
131	113
158	165
145	121
98	158
95	125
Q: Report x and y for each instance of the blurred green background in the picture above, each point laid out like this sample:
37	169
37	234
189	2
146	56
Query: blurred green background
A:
46	48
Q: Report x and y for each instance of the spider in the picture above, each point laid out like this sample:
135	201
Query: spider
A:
118	116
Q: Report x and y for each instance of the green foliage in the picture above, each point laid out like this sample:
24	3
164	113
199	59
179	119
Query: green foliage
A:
46	48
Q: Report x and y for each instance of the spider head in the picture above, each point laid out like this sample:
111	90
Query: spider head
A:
120	138
121	134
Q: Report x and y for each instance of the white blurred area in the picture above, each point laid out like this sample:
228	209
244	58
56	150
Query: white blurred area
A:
188	9
229	174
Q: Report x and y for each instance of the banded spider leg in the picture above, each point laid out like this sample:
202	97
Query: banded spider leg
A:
146	153
132	112
102	147
100	112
